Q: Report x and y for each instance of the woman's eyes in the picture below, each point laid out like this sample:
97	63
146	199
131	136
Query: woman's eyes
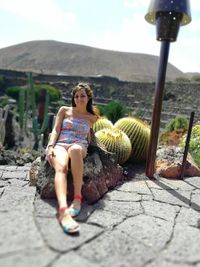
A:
81	96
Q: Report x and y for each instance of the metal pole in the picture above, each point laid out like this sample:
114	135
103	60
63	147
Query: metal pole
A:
187	144
155	124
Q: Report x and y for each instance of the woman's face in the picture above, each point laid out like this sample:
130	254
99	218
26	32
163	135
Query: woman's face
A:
80	98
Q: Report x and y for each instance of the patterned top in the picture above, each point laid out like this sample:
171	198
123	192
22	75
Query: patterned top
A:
74	130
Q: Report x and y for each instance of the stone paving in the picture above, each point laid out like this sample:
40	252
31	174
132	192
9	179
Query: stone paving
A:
143	222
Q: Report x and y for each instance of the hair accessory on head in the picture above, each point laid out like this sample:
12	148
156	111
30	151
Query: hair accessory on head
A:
84	85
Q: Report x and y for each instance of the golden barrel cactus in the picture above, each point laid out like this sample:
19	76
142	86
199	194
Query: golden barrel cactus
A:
139	135
102	123
117	142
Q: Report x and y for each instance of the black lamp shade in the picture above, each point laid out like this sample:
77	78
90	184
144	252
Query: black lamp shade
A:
168	15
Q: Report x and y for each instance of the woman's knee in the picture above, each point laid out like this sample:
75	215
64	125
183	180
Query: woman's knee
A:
62	168
75	150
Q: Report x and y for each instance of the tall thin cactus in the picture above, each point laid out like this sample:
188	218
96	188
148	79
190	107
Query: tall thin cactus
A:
21	107
28	110
36	130
3	118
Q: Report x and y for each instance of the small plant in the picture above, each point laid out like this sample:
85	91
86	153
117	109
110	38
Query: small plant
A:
194	146
114	110
4	99
179	122
174	130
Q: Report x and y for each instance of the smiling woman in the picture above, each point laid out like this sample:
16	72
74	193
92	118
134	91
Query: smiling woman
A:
69	140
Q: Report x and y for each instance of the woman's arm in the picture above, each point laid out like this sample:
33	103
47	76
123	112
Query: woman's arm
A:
57	126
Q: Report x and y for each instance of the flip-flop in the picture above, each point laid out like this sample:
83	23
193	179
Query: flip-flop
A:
73	211
71	226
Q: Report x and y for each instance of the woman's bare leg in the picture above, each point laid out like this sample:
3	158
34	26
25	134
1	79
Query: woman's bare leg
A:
76	154
60	164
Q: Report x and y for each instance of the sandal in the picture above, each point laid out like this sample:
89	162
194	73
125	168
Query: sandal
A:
73	211
70	226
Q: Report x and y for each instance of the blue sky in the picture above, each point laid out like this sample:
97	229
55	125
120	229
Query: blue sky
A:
109	24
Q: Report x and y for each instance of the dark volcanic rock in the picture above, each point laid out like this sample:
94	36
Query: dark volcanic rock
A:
169	162
13	157
98	177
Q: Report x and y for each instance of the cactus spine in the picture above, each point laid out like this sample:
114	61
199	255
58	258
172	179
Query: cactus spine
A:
139	134
115	141
102	123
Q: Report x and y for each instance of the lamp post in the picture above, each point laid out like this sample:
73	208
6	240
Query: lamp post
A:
167	15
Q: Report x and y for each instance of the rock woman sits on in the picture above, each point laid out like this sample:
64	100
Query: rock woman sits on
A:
69	141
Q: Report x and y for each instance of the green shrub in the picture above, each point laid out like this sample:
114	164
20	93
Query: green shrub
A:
182	80
54	93
3	101
179	122
2	82
194	147
196	78
13	92
174	131
113	111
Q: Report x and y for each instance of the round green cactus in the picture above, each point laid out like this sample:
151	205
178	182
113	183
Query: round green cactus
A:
139	135
117	142
102	123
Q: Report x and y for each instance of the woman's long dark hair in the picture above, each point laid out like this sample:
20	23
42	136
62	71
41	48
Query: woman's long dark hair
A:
90	108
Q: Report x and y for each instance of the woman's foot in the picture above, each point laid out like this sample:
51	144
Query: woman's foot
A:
75	206
67	222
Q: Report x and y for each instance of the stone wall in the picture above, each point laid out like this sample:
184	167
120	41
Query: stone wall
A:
179	98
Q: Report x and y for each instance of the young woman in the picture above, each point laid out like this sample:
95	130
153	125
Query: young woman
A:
69	140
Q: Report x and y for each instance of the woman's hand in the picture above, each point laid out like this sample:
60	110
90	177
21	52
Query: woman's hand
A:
50	155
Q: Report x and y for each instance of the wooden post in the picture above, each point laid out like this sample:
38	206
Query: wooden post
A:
187	143
155	124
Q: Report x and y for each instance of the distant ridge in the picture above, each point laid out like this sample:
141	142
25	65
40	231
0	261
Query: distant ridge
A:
52	57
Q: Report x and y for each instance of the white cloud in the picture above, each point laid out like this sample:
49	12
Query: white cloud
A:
54	21
45	13
134	35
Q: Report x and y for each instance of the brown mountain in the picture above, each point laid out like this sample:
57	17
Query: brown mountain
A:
52	57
